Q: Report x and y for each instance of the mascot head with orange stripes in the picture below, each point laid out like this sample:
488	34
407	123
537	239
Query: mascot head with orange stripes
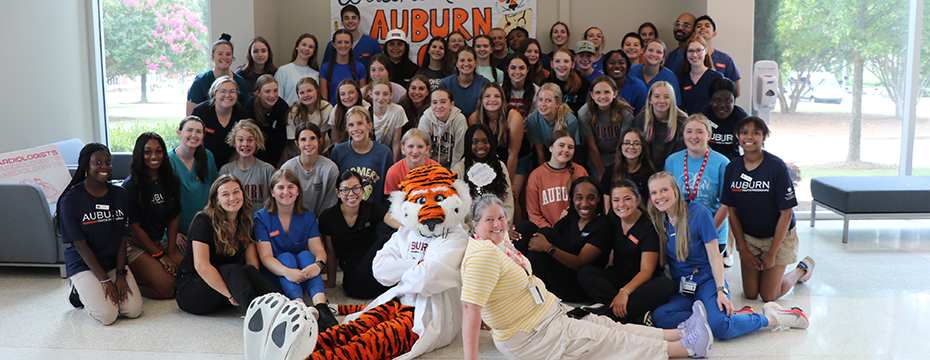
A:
431	200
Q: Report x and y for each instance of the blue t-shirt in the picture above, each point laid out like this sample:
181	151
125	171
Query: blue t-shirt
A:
674	58
341	72
759	195
711	186
724	64
155	221
268	228
634	91
664	75
696	96
101	221
538	130
364	49
372	166
701	230
200	88
466	99
594	74
596	64
194	193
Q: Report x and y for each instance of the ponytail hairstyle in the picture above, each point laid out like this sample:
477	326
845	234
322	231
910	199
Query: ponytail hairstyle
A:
311	62
498	186
599	209
573	82
384	60
629	184
332	56
142	182
562	112
535	74
80	175
474	43
358	111
459	53
229	243
416	133
257	103
529	90
249	126
414	111
621	168
617	105
300	113
445	64
249	67
556	135
679	211
650	117
686	66
200	153
700	118
648	25
484	118
271	204
371	87
664	50
340	113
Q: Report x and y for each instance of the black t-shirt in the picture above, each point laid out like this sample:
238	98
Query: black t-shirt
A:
759	195
434	76
275	132
202	231
640	177
597	232
629	247
576	99
401	73
659	148
722	140
352	243
155	221
214	135
251	79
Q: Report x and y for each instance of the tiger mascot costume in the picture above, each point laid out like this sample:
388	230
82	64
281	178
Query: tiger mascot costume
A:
421	312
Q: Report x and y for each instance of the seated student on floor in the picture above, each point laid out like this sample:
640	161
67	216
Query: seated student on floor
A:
247	139
634	284
529	322
289	246
350	232
547	188
317	173
221	267
415	147
93	224
154	205
689	241
581	237
482	149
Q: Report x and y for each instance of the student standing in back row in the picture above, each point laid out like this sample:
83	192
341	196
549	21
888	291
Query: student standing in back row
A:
364	46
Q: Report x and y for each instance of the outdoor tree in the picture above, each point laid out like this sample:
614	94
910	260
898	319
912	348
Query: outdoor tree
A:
152	36
806	32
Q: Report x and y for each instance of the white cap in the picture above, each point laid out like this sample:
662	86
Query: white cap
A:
396	34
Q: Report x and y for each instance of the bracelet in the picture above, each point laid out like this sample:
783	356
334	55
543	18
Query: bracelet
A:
104	281
159	255
321	264
626	291
230	297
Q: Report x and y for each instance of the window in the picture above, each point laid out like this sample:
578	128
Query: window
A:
152	51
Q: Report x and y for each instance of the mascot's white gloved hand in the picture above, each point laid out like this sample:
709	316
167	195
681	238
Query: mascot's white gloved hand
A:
278	328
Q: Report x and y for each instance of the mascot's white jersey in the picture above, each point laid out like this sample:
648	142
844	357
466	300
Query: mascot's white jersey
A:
433	287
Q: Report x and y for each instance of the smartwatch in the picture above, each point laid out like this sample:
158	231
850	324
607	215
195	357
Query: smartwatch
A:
724	289
122	271
551	250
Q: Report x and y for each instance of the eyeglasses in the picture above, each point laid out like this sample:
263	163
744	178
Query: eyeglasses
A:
355	190
224	92
682	24
632	144
695	51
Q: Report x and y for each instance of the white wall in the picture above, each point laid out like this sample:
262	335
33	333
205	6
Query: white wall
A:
46	67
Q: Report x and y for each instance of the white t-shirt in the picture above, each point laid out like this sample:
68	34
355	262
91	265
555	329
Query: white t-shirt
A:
394	118
288	76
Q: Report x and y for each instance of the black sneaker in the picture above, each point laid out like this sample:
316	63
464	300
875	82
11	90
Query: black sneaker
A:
75	298
327	319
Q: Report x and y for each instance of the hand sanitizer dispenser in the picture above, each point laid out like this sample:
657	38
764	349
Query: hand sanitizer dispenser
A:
765	88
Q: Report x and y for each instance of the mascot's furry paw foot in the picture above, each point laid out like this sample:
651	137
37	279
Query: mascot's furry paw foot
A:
278	328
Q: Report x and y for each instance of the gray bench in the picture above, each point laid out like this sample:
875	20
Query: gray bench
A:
871	197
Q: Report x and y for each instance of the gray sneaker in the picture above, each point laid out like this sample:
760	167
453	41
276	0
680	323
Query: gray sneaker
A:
807	264
697	336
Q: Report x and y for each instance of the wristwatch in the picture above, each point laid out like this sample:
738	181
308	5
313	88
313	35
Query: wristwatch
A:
724	289
551	250
122	272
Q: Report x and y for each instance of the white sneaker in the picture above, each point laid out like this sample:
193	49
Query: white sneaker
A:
728	260
807	264
791	318
697	336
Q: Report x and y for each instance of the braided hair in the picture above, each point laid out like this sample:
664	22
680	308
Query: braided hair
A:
498	186
80	175
141	180
332	56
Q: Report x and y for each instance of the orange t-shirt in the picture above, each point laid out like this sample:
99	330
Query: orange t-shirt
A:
397	173
547	193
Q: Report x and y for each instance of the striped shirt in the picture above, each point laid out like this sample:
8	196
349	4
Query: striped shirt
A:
495	282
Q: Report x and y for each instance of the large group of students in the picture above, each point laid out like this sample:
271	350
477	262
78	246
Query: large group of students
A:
284	174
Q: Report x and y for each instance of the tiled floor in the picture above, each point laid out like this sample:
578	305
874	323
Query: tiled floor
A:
869	299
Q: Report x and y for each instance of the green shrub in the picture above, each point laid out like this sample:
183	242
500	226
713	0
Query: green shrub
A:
123	136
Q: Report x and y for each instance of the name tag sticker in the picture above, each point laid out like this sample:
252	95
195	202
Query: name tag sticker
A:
686	88
209	130
634	239
745	177
275	233
103	207
719	65
584	234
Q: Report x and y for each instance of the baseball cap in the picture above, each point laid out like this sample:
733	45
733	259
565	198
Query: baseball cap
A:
396	34
584	46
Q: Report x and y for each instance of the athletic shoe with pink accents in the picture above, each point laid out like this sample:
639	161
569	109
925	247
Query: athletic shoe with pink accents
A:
791	318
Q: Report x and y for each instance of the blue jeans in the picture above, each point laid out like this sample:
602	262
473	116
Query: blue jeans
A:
293	290
678	309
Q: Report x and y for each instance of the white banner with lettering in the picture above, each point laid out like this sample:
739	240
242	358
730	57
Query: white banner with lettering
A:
422	20
41	165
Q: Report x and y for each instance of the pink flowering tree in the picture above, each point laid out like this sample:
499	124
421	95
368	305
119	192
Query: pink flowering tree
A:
142	37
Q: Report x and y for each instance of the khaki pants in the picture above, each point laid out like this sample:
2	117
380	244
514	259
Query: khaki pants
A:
593	337
98	306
